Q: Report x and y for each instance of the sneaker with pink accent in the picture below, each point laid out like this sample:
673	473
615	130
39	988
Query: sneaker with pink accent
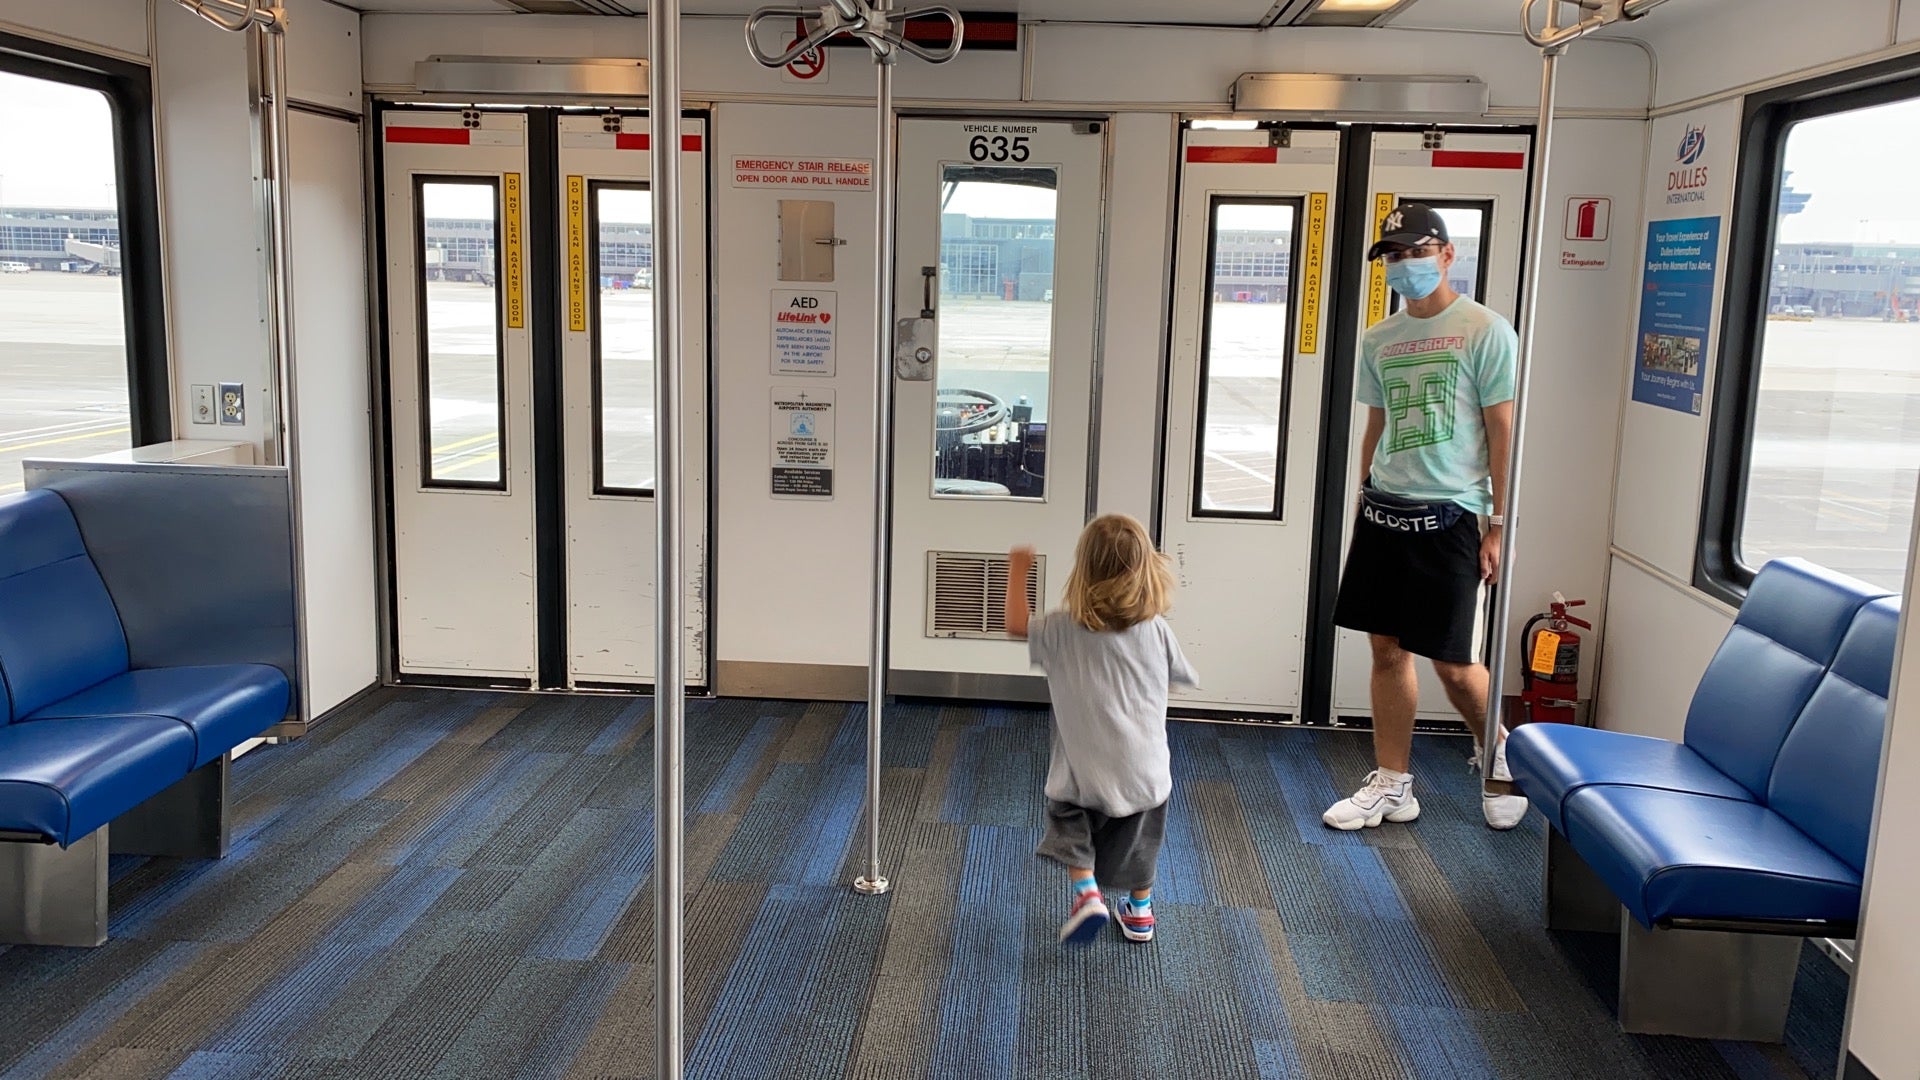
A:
1088	919
1135	925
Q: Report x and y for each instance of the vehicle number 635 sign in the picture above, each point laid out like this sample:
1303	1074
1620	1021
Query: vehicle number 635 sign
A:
998	148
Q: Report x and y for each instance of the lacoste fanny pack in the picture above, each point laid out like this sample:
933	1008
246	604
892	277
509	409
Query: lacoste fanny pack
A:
1396	514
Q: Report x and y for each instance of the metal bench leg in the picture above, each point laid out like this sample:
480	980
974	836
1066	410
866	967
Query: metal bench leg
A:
1706	984
1577	899
186	821
54	897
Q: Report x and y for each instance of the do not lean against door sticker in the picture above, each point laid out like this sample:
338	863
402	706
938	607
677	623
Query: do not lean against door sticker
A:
802	439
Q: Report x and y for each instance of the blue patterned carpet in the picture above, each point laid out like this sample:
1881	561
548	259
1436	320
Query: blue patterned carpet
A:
446	884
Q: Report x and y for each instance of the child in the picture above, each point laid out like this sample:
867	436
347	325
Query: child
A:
1109	658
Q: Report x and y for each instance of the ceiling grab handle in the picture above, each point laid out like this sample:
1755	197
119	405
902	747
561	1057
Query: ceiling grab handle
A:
245	14
1557	36
935	56
831	22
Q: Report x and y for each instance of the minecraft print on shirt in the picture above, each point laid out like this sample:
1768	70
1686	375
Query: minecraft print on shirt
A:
1419	391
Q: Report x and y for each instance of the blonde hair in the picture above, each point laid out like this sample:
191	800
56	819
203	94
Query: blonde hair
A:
1118	578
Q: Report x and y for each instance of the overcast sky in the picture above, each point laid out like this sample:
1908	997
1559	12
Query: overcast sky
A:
56	144
1859	167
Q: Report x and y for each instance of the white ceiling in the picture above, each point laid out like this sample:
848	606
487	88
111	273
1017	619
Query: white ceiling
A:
1452	14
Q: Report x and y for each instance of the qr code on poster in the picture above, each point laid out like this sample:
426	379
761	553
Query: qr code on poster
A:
1696	403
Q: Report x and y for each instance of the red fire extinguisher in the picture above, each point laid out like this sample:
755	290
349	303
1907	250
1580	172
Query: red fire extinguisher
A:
1550	663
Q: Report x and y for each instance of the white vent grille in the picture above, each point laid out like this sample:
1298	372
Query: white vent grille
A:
967	593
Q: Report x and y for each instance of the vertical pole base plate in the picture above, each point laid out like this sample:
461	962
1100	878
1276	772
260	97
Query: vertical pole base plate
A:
872	886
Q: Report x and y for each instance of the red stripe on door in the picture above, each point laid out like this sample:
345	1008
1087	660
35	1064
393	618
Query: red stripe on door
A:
1245	155
1479	159
624	141
438	136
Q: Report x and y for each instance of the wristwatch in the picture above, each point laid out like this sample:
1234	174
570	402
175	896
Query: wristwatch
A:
1497	519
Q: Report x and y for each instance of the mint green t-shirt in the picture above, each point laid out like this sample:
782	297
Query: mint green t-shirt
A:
1432	377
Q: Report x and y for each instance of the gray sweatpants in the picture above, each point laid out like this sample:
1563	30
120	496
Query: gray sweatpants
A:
1122	851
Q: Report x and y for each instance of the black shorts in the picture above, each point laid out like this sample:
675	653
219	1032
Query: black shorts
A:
1422	588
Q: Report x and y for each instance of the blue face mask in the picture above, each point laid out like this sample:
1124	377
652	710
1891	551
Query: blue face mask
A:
1414	279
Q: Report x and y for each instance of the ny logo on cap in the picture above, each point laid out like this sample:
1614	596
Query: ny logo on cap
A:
1394	221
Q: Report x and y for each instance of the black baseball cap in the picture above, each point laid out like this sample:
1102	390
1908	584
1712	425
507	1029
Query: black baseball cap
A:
1408	225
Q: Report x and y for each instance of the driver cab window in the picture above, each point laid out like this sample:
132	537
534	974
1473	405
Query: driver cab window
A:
995	330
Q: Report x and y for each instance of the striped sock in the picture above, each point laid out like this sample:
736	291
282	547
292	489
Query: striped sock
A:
1141	903
1084	886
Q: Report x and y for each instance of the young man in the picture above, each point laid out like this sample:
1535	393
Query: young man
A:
1437	380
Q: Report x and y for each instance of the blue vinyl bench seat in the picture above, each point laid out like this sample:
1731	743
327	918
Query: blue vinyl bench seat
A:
87	739
1675	858
62	779
1755	824
221	705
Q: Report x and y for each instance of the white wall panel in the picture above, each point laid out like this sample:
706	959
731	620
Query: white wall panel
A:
795	574
120	25
1133	333
1663	452
1909	22
1071	63
336	492
1658	643
215	270
1707	46
1880	1031
323	54
1576	382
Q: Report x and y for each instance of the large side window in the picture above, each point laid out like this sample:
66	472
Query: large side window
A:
1817	418
82	355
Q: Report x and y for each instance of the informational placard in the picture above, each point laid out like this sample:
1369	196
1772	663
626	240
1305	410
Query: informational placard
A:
803	332
510	257
1585	243
577	253
1676	310
812	173
802	443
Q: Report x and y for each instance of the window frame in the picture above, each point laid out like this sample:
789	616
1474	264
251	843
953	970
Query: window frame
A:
1752	227
128	88
594	337
1276	510
422	337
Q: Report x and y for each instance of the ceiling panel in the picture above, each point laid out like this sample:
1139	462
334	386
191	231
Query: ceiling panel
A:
1464	15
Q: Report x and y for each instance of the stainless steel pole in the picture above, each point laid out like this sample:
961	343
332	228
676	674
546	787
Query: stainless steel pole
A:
669	695
873	882
284	445
1535	250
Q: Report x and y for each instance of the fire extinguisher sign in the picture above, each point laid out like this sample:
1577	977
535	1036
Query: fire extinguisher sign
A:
1584	244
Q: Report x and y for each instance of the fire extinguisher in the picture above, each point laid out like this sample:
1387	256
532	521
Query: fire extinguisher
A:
1550	663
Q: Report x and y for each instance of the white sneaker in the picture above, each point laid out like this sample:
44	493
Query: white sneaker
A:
1502	811
1383	799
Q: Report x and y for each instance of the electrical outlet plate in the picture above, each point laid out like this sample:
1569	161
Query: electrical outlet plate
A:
233	403
203	411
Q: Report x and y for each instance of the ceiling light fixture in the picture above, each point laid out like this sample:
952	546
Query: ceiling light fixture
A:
1336	12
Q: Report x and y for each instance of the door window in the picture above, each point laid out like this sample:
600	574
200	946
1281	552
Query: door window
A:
622	220
1245	341
995	331
460	349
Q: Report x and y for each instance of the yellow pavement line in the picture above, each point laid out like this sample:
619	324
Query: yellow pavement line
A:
66	439
12	487
465	442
